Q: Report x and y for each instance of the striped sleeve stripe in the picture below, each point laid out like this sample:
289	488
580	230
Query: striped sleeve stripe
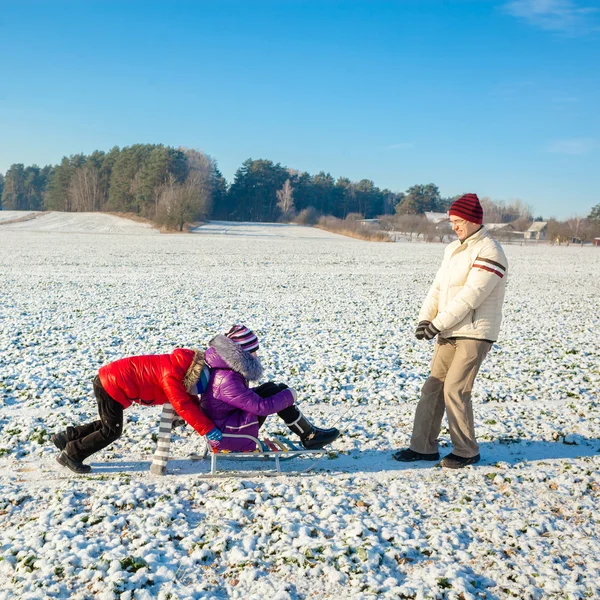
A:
493	263
488	266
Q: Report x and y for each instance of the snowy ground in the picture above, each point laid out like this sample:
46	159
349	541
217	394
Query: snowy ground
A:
56	222
335	317
12	215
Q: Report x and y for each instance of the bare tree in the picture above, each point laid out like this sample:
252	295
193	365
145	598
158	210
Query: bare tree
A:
442	230
492	211
428	230
308	216
179	204
501	212
581	229
575	226
558	232
388	222
410	223
285	200
84	193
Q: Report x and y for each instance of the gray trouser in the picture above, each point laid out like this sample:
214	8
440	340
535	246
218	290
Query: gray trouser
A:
453	370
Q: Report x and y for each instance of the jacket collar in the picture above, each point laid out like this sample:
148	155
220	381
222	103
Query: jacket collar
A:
481	232
224	353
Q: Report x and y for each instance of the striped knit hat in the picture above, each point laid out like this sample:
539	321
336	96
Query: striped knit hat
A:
467	207
244	337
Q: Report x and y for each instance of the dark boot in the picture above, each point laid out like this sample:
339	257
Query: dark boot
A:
312	437
408	455
62	438
77	467
451	461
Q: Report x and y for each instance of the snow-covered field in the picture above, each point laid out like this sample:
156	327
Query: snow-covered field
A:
336	318
12	215
56	222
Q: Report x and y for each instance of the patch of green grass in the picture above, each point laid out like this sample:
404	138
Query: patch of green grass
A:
132	564
444	583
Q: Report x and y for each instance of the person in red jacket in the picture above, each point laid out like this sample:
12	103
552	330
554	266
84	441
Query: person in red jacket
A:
149	380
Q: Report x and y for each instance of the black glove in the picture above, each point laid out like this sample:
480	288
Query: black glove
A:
420	330
430	331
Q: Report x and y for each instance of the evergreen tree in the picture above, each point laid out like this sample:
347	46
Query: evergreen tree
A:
369	199
323	192
124	178
153	173
390	199
444	204
34	188
105	172
419	199
13	194
1	188
345	198
254	190
56	197
304	191
220	205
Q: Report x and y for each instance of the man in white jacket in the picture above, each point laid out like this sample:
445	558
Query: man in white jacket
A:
464	309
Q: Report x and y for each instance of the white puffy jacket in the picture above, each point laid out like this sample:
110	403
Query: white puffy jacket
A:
466	297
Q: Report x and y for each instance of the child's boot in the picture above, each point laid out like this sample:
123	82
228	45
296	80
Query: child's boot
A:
62	438
77	467
312	437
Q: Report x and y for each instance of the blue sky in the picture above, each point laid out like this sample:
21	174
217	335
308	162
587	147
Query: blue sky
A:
495	97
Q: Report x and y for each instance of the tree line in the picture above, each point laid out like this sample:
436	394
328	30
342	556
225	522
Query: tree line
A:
168	185
171	185
175	186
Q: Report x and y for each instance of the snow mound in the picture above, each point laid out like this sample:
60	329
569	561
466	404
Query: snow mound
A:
260	230
11	215
69	222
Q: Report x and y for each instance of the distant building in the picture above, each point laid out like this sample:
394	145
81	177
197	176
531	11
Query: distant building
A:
435	217
596	242
537	231
504	231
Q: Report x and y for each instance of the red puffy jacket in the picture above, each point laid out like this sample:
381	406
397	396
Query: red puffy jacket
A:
157	379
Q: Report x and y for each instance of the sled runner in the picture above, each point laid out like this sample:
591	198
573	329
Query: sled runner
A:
276	449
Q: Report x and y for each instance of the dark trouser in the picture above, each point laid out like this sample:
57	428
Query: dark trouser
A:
84	440
266	390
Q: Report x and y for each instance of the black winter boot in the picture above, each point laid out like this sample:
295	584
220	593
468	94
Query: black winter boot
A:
62	438
312	437
77	467
319	438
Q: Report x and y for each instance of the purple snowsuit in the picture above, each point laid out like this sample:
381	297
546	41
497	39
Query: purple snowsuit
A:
228	401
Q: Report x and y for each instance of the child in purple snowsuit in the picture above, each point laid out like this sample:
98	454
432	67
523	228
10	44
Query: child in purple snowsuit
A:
237	409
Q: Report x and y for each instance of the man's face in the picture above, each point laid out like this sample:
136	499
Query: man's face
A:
462	228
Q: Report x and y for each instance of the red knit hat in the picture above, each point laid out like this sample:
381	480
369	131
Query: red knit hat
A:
467	207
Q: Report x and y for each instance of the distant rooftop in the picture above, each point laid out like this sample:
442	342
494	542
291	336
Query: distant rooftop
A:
496	226
436	217
538	226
